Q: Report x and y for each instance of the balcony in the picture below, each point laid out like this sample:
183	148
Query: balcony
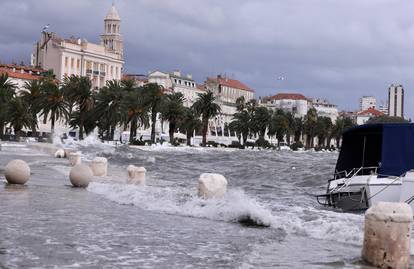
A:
102	74
95	73
88	71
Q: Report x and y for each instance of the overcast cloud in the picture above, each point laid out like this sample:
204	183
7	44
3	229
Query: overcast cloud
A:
336	49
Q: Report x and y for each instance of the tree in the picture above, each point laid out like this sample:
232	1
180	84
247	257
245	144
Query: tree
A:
7	92
297	127
206	107
173	112
341	125
52	103
32	96
241	124
240	104
323	129
135	111
260	121
278	126
190	123
108	107
19	116
78	91
386	119
153	97
309	126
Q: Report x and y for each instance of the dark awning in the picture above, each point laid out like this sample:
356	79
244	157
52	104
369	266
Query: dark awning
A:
387	146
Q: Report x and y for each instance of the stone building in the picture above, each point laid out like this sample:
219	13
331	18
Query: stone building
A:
75	56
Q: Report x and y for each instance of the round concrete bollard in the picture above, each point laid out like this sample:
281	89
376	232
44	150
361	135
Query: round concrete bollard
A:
17	172
74	158
60	153
387	235
99	167
212	186
80	175
136	175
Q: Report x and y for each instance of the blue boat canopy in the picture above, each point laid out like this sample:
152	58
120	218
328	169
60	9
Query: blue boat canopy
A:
388	146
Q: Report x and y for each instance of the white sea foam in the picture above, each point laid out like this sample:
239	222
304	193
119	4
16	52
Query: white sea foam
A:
237	206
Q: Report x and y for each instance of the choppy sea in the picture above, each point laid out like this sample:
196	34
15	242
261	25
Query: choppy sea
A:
269	217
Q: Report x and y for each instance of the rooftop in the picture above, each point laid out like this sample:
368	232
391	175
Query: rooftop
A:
370	112
232	83
288	96
113	14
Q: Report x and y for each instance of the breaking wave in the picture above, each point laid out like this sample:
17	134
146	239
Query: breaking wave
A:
236	206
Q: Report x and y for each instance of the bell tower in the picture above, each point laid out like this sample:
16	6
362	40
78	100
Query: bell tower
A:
112	38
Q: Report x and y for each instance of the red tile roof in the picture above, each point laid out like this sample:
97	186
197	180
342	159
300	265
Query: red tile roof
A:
19	75
288	96
232	83
370	112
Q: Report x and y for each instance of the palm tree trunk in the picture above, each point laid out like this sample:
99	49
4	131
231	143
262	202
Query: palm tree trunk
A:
132	131
205	128
153	122
189	135
80	125
1	130
52	123
171	132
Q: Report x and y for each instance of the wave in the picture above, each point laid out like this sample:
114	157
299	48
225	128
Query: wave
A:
236	206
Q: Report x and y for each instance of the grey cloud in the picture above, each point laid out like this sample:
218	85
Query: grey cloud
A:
325	48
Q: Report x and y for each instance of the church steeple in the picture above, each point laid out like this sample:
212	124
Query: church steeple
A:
112	38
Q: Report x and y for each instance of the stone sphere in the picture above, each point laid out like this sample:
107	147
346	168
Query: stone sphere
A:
212	186
80	175
17	172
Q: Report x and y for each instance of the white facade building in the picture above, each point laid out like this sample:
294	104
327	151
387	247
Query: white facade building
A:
227	91
177	83
363	116
366	102
295	103
396	101
325	109
74	56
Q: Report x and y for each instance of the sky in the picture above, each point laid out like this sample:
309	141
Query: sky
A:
334	49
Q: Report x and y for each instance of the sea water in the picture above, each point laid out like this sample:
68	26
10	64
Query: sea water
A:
269	217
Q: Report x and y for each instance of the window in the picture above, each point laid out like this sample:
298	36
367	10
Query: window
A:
66	61
78	64
72	63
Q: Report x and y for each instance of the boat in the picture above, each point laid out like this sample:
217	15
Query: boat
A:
375	164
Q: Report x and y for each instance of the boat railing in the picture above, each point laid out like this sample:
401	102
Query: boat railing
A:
349	175
357	171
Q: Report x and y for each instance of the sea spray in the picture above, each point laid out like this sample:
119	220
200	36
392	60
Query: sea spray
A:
237	206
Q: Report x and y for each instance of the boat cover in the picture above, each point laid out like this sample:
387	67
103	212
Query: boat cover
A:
389	146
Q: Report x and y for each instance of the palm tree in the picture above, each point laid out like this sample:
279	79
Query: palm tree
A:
341	125
78	90
20	116
241	124
32	96
207	108
297	127
278	125
52	103
136	112
260	122
309	126
154	97
190	123
7	91
323	129
240	104
173	112
108	107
